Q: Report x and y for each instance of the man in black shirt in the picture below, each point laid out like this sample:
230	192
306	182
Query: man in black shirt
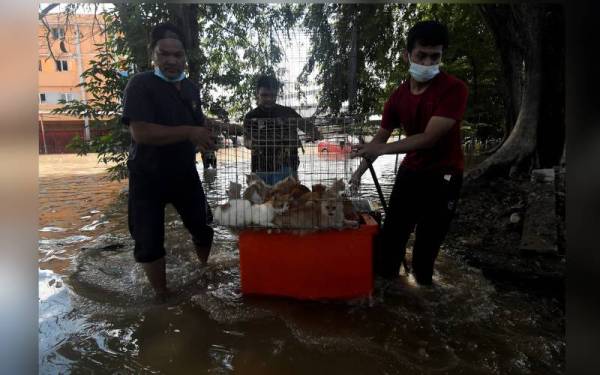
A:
270	131
163	111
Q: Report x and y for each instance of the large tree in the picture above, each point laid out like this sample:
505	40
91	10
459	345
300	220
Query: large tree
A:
530	38
355	53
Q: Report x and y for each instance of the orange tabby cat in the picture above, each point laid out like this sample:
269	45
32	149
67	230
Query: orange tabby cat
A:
325	212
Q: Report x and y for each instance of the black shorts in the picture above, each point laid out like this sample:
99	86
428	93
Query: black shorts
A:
148	196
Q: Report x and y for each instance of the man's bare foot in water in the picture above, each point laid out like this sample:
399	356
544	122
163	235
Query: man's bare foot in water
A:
157	276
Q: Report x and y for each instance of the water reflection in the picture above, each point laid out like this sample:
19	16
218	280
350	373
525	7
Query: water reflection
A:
97	314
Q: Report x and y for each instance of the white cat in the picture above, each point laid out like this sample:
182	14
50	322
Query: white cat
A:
263	214
235	213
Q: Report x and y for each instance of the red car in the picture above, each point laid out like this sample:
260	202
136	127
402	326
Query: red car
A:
329	146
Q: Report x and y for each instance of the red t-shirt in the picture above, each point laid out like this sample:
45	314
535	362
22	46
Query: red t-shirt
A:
446	96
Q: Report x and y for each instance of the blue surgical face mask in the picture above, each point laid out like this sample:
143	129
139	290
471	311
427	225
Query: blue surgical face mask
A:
160	74
423	73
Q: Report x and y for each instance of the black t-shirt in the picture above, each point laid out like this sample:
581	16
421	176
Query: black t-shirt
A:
274	138
149	98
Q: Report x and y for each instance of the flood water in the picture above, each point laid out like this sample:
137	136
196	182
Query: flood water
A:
96	313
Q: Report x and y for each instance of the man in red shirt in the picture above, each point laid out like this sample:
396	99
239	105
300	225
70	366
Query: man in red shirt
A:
428	107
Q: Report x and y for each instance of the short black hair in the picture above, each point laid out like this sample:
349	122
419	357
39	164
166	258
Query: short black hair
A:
267	81
166	30
427	33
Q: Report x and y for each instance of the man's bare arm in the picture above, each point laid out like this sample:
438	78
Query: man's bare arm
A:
380	138
436	128
220	126
156	134
309	127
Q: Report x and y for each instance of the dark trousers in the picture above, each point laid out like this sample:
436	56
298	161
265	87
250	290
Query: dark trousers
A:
149	194
420	202
209	159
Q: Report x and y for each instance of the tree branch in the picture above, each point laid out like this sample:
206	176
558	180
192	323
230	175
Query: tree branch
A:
46	10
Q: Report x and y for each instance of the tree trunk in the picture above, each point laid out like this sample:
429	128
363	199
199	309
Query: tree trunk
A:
503	26
514	85
47	10
519	148
185	16
475	92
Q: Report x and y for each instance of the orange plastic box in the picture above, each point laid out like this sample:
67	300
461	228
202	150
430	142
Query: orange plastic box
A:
333	264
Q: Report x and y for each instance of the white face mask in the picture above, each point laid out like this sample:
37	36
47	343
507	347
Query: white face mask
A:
160	74
423	73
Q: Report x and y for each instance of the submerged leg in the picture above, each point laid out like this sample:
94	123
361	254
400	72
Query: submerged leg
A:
190	202
157	276
146	209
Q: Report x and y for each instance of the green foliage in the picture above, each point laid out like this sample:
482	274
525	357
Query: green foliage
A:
379	44
472	56
382	28
104	83
237	41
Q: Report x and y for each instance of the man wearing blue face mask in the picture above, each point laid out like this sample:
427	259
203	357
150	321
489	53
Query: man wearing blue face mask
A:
163	111
428	107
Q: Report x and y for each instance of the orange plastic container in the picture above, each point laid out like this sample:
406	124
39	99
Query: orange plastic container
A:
329	264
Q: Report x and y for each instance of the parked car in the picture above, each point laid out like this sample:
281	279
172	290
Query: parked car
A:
223	142
332	146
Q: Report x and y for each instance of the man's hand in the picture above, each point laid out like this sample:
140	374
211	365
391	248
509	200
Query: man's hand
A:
369	151
201	137
314	135
354	182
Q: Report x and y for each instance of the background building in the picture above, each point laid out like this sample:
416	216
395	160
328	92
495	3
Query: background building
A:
296	53
72	43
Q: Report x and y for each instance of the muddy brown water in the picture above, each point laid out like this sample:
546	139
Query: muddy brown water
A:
96	314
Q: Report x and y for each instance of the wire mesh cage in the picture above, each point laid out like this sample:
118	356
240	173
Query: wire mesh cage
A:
290	173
